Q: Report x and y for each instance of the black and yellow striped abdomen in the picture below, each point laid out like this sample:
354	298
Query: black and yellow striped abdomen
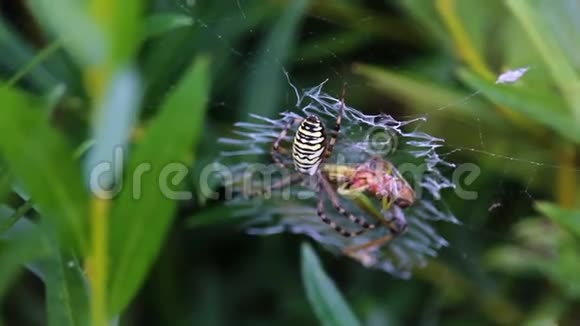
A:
309	145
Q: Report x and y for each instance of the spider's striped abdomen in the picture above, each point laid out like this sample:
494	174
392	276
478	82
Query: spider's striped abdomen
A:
309	145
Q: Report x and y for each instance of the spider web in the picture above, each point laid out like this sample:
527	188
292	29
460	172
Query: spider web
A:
253	144
361	137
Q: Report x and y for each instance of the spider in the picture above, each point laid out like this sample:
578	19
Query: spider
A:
310	148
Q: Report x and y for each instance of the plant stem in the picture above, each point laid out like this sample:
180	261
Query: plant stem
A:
97	263
566	177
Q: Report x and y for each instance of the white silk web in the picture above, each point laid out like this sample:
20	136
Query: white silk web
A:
413	153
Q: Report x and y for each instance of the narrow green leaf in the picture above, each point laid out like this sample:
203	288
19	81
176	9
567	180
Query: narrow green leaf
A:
111	131
548	312
514	259
568	219
563	72
266	76
143	213
12	257
326	300
425	15
317	49
422	91
545	109
216	215
39	157
67	295
561	20
20	245
34	62
7	223
124	28
5	183
161	23
23	60
113	125
66	290
70	21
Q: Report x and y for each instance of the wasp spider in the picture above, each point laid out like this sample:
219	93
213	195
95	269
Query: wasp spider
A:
311	146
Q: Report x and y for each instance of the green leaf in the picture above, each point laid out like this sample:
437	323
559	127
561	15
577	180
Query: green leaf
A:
70	21
67	293
7	223
514	260
20	245
561	20
542	108
138	225
532	19
317	49
123	24
274	53
216	215
422	92
66	290
23	60
548	312
161	23
5	183
39	157
326	300
426	17
41	56
114	123
13	256
567	218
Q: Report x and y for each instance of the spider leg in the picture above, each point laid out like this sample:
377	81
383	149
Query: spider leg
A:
287	180
334	199
397	224
320	211
334	135
276	149
352	250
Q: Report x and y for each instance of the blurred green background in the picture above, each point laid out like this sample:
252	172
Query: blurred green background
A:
166	78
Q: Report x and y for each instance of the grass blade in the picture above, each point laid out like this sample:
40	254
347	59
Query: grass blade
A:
326	300
115	120
66	290
24	62
422	92
563	71
70	21
544	109
114	123
569	219
39	157
138	226
158	24
20	245
121	22
274	52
